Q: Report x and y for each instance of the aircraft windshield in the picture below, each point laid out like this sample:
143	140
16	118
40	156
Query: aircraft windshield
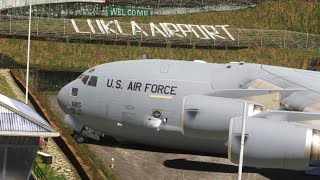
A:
91	70
85	79
93	81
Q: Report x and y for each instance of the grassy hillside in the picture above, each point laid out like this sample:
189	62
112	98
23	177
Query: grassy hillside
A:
5	89
295	15
303	16
59	55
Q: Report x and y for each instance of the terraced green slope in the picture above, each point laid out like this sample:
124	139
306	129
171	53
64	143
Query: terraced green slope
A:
294	15
5	89
74	56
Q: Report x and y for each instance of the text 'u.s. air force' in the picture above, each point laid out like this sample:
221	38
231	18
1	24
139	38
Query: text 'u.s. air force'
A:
143	87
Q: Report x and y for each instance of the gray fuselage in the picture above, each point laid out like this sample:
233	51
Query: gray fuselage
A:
131	98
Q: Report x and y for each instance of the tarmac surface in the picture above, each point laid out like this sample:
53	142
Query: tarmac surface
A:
135	161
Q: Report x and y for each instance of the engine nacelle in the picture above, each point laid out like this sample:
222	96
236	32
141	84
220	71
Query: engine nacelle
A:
209	117
271	143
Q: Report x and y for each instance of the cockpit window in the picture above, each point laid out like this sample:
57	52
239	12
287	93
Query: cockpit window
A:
91	70
74	91
85	79
80	76
93	81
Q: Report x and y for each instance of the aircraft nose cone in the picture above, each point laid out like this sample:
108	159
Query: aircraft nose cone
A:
63	99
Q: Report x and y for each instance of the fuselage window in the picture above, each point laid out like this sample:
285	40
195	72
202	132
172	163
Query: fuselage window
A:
85	79
91	70
74	91
80	76
93	81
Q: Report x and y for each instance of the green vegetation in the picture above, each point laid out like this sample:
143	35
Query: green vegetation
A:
5	89
47	170
303	16
295	15
75	56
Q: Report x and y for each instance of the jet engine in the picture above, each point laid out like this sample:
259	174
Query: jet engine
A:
209	117
272	143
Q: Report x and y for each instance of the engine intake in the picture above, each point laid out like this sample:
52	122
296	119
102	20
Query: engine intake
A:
272	143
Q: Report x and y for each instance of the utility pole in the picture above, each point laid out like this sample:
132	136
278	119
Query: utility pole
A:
242	139
28	57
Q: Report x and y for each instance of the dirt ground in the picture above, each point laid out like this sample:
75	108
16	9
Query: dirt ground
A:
133	161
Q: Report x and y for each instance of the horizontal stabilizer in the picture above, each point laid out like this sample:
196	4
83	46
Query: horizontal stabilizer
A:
239	93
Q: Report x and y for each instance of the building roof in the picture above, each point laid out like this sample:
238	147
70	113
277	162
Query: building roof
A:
19	119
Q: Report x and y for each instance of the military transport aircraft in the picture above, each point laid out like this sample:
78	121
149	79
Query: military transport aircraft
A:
198	106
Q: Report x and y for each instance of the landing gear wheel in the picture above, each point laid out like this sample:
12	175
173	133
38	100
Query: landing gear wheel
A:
79	138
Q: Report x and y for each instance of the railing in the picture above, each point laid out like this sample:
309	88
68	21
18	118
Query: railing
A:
5	4
64	29
38	172
81	9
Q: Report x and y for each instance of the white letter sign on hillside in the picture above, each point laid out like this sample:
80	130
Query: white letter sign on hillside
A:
154	29
164	30
136	28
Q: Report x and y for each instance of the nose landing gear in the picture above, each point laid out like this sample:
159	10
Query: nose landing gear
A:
79	138
86	133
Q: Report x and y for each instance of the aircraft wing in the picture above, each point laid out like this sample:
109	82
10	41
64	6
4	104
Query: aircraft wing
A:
240	93
298	104
292	95
306	119
307	101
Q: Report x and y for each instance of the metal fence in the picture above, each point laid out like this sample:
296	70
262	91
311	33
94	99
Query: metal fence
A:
181	3
38	172
63	29
83	9
6	4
